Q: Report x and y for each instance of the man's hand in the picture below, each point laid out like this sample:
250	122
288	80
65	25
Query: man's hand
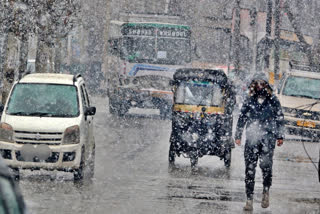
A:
238	142
279	142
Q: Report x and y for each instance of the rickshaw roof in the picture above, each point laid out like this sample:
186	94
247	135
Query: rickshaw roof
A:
185	74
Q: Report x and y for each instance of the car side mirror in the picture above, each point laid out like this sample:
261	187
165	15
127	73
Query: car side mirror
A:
90	111
172	84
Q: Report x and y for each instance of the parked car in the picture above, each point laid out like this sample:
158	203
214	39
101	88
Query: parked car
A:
299	95
47	123
12	201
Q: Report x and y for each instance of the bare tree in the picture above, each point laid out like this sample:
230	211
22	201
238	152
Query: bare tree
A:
15	24
56	18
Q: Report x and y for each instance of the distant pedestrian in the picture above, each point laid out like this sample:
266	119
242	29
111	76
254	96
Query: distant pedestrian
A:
262	116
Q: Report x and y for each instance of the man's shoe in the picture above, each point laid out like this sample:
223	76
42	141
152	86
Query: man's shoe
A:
265	200
248	206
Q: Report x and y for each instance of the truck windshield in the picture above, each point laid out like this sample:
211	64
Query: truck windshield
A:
199	93
302	87
154	82
47	100
151	50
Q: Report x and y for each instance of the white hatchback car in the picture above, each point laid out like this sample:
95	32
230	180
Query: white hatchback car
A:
47	123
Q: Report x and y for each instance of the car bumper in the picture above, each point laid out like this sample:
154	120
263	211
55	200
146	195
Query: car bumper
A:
62	157
303	127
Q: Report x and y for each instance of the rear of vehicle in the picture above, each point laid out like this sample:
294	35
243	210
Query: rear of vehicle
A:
202	115
142	59
299	95
47	124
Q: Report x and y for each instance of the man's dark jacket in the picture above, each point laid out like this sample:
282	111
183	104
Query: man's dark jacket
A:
268	114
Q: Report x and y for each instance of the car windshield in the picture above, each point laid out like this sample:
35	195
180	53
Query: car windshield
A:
47	100
302	87
199	93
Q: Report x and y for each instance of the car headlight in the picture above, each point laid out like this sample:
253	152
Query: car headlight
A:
135	81
71	135
126	81
6	132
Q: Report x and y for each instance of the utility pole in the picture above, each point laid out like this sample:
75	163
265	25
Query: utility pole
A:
268	41
237	38
11	58
108	18
277	42
23	55
253	23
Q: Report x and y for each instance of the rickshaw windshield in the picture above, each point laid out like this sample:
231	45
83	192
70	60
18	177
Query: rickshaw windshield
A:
199	93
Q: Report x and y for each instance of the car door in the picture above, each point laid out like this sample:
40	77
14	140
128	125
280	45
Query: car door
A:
86	121
89	118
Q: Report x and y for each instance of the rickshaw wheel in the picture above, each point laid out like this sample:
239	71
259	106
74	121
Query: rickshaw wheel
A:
193	159
227	157
172	155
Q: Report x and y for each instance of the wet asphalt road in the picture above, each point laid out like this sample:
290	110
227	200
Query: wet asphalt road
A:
132	176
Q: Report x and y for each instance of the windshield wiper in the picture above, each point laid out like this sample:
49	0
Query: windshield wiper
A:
40	114
22	113
306	96
19	113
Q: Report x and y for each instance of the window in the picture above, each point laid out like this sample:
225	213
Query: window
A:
139	48
86	94
83	98
174	51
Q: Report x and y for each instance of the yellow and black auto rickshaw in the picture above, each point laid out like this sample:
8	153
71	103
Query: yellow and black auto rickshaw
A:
202	115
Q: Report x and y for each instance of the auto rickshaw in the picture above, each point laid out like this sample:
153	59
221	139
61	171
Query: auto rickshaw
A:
202	115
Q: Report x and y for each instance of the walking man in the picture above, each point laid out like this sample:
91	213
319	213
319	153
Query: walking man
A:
262	116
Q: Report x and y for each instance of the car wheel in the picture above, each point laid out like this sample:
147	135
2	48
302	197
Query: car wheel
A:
16	174
91	162
112	107
123	109
78	174
193	159
227	157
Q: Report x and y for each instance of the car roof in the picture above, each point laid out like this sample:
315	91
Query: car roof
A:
53	78
304	74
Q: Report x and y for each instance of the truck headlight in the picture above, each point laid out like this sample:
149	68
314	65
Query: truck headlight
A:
6	132
135	81
71	135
